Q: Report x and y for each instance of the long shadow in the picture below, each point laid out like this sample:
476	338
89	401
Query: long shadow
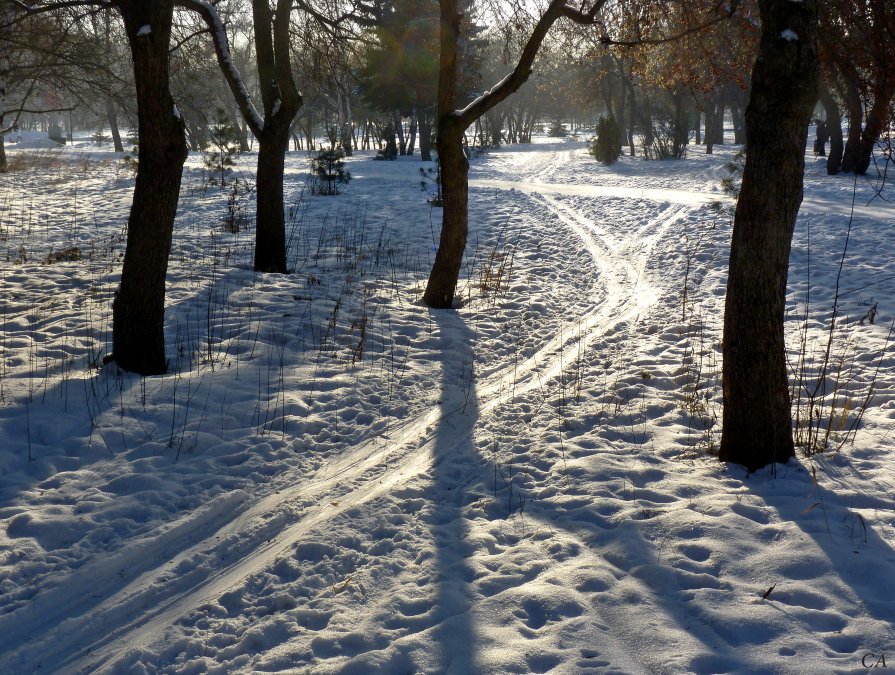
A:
458	466
639	644
852	549
453	452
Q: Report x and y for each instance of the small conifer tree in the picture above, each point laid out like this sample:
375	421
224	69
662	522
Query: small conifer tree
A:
329	169
606	148
223	144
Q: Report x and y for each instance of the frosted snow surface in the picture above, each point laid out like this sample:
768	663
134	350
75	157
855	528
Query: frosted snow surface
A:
332	478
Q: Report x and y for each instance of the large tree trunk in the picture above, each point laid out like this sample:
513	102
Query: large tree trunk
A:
138	310
757	417
834	126
455	219
270	219
454	168
282	102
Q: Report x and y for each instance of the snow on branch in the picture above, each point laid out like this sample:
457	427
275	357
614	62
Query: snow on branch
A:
225	60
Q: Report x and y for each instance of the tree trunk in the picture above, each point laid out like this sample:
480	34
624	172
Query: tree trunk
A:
852	151
270	220
425	133
710	128
4	77
757	417
739	125
138	310
238	123
454	168
112	118
834	126
873	126
455	220
411	144
399	130
718	125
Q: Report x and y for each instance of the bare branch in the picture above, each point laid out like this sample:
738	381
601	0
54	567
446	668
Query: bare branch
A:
231	73
556	9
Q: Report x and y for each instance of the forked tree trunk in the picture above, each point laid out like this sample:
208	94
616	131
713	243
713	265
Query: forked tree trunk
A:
757	417
138	310
834	125
281	103
452	125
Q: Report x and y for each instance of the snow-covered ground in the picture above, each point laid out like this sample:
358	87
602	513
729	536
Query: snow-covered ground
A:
333	478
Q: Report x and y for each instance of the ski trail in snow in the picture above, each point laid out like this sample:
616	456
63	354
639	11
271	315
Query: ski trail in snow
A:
91	628
683	197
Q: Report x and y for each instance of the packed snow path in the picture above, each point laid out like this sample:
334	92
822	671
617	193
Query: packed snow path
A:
545	507
129	599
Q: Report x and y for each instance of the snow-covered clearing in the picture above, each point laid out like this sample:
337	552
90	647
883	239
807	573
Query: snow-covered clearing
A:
333	478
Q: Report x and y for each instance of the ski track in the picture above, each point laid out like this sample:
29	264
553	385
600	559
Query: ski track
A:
93	626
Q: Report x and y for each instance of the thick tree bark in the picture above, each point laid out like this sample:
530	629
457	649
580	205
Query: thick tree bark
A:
757	417
834	126
454	168
138	310
270	221
455	217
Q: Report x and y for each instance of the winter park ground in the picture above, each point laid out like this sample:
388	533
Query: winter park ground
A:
333	478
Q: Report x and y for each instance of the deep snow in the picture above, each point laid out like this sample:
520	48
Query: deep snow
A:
333	478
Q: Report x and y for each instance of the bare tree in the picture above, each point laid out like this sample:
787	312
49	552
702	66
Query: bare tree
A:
139	305
453	122
281	102
757	417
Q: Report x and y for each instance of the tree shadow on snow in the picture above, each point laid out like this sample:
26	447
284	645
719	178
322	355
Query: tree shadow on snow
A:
848	550
453	454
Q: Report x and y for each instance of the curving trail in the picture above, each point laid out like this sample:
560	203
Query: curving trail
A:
129	598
